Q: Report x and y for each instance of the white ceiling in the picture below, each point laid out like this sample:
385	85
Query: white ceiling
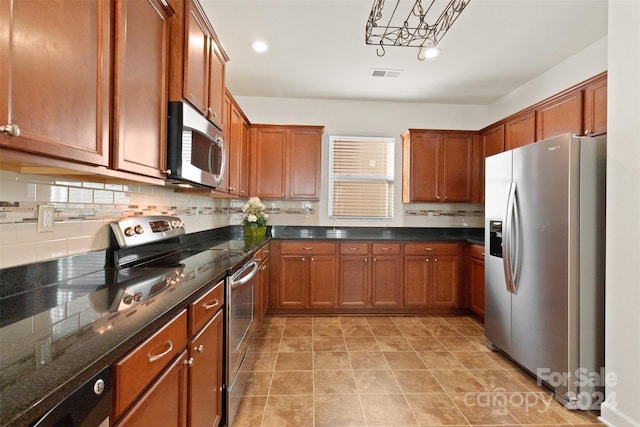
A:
317	49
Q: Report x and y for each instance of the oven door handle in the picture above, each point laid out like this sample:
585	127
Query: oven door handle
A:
237	283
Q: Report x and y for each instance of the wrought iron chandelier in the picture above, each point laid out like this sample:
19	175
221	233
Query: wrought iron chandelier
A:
414	30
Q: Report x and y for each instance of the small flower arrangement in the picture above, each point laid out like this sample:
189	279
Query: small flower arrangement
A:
254	215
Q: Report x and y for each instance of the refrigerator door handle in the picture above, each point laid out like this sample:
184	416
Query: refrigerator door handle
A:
507	239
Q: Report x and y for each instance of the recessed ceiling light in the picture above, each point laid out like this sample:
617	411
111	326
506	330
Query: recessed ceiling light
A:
260	46
428	52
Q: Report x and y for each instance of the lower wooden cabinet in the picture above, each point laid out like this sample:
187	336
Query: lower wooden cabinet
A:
164	403
171	379
431	275
475	266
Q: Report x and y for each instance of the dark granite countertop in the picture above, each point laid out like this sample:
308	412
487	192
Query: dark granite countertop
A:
378	233
64	305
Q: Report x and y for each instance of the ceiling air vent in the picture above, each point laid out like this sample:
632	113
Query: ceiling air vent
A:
379	72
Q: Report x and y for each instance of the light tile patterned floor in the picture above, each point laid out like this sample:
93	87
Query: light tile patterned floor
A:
389	371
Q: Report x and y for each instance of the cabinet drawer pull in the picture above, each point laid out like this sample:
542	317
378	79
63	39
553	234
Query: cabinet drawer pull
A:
354	249
161	355
386	249
212	304
428	249
308	248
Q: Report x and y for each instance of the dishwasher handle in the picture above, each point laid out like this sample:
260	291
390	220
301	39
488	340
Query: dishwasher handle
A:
236	283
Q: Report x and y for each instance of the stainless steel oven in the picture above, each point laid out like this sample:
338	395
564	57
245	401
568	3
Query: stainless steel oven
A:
240	332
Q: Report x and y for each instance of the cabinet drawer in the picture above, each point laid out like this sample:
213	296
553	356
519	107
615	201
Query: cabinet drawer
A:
476	251
309	247
205	307
430	248
386	248
135	372
354	248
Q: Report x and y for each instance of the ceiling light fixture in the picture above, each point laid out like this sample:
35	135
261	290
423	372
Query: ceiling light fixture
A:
259	46
414	30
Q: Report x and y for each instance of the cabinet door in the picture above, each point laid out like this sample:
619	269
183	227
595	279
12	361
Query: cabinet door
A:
492	142
268	157
476	279
205	375
417	281
595	108
386	281
304	163
456	169
55	78
244	160
165	402
322	281
520	130
294	279
196	78
264	283
215	84
421	167
141	86
562	115
234	146
355	290
445	281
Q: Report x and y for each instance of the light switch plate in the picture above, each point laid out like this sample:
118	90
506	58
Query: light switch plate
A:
45	218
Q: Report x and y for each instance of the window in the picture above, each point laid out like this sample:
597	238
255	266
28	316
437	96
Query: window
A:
360	177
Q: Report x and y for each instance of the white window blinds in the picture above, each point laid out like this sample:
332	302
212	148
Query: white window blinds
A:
361	177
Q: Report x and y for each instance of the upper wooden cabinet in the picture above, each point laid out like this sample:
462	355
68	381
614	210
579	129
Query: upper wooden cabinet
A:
285	161
595	107
437	166
197	61
236	135
141	79
559	115
55	78
520	130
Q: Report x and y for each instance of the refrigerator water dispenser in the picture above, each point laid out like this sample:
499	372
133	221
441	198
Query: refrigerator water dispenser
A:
495	238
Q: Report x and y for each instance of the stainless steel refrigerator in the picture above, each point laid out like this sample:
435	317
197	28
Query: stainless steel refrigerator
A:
544	270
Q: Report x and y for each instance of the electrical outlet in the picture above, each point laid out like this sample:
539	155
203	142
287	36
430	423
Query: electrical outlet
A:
45	218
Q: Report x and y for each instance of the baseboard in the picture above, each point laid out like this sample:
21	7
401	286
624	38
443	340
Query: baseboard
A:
611	416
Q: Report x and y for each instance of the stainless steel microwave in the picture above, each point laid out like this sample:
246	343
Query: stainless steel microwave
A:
195	148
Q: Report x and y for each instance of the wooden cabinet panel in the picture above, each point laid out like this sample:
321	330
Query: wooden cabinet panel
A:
322	281
457	168
559	116
285	161
420	166
205	375
41	61
492	142
268	161
445	281
520	130
308	247
436	166
386	281
304	163
595	107
294	281
234	146
141	86
165	403
201	310
354	248
386	248
136	371
355	289
417	281
476	279
197	61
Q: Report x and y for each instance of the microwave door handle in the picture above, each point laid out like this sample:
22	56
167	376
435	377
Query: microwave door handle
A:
210	158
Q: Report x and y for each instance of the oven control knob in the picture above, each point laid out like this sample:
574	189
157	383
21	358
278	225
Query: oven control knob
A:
139	229
137	296
129	231
177	224
127	299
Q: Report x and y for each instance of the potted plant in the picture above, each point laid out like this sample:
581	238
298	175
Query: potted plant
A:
254	218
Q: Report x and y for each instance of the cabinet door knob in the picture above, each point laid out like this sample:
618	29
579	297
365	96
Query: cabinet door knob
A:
10	129
188	362
198	348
